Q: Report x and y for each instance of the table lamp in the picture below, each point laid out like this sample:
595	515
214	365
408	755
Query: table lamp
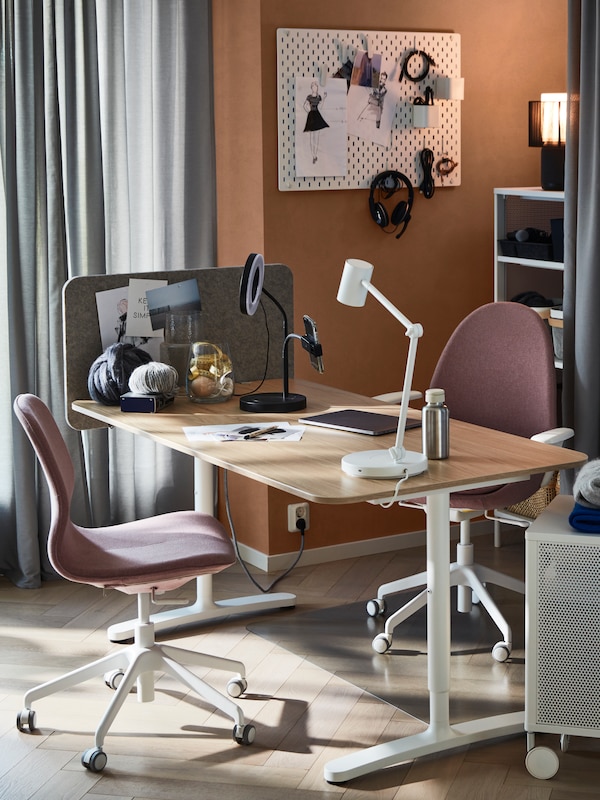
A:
547	129
396	462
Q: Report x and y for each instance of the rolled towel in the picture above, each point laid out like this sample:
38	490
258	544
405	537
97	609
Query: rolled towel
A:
585	519
586	488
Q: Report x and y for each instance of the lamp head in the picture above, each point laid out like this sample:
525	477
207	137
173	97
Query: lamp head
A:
353	288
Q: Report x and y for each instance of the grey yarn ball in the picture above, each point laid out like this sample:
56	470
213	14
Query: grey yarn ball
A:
109	375
154	378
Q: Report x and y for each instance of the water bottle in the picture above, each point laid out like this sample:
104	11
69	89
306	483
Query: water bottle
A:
435	424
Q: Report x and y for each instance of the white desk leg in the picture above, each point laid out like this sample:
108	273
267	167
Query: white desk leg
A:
205	607
439	735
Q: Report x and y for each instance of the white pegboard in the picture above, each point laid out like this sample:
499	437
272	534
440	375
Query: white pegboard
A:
317	54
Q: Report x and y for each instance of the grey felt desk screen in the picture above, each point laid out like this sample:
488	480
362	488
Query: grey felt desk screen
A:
221	321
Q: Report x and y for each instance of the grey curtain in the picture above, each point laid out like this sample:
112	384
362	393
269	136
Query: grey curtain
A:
106	147
581	378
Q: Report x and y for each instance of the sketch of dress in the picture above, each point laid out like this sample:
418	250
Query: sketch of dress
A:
314	118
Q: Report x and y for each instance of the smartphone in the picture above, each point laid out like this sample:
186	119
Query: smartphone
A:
314	346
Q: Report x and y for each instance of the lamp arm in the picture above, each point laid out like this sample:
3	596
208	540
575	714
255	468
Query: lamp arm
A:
414	331
411	327
397	452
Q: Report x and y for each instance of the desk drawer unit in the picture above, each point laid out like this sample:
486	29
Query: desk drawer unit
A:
562	634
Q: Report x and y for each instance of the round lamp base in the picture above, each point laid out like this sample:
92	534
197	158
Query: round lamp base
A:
379	464
272	403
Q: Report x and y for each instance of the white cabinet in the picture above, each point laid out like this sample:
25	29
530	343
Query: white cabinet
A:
525	267
562	634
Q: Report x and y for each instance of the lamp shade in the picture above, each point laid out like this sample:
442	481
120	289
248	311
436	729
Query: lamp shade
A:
548	120
352	291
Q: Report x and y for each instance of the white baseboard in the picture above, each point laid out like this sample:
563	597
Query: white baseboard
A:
338	552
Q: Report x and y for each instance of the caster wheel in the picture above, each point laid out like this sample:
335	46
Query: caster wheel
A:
94	759
244	734
376	608
114	678
500	651
565	740
236	687
381	643
542	763
26	720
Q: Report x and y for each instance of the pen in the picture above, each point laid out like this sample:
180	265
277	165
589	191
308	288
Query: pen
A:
260	432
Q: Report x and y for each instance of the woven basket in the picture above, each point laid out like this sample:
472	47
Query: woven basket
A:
533	506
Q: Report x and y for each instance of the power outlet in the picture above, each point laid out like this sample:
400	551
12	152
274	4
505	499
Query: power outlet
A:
298	511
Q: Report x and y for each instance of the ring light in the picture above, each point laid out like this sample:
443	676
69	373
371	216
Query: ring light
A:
251	289
251	285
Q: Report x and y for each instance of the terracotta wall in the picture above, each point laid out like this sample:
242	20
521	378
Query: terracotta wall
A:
442	267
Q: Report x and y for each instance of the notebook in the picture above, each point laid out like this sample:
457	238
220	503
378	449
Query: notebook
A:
372	423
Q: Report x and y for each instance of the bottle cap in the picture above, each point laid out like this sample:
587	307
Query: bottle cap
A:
435	395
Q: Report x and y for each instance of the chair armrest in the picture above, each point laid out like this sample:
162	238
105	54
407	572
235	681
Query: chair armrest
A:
396	397
554	436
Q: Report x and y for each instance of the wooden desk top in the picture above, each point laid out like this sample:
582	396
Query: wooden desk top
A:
311	467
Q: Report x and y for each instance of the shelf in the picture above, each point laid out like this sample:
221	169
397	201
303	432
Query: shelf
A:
532	193
531	262
527	207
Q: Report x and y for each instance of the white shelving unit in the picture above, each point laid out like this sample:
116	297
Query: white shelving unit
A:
514	209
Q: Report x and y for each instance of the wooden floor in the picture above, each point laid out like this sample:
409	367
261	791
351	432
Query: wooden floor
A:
178	748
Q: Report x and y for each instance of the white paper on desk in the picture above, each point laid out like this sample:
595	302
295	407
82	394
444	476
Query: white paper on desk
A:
230	433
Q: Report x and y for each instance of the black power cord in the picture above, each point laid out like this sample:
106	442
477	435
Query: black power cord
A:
427	185
300	524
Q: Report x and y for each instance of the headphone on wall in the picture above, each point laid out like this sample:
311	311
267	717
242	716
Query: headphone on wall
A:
386	184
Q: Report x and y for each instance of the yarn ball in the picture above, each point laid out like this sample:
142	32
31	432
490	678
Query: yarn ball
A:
154	378
109	375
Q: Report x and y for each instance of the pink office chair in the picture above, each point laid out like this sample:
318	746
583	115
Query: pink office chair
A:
144	557
498	371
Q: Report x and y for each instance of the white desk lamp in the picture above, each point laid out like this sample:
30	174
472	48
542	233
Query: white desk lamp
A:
396	462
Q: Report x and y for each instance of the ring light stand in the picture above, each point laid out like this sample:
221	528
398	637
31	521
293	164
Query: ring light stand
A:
251	288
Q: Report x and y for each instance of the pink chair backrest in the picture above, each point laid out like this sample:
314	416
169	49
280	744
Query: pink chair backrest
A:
51	449
498	371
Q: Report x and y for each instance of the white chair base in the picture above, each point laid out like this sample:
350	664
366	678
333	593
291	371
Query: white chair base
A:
136	664
471	580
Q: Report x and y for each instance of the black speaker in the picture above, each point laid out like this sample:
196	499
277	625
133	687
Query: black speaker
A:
384	186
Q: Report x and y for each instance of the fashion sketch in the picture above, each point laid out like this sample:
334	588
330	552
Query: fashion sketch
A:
374	108
314	120
320	125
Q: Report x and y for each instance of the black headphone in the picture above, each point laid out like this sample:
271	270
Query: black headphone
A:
386	184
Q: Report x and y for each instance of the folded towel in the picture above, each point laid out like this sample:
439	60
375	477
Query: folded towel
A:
586	488
585	519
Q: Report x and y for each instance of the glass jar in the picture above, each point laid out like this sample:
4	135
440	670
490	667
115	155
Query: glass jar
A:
209	373
181	329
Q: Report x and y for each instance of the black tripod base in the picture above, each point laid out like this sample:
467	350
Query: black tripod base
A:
272	403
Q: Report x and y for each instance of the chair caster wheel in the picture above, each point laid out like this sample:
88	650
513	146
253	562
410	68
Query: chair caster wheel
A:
501	651
236	687
114	678
381	643
376	607
542	763
94	759
244	734
26	720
